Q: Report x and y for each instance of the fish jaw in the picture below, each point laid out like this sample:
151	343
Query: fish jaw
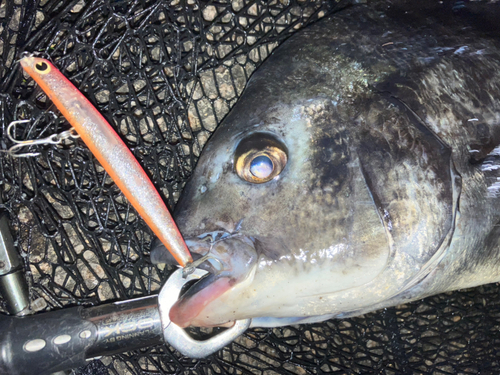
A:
231	262
187	310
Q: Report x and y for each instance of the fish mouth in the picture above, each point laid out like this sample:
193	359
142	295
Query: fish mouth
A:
229	260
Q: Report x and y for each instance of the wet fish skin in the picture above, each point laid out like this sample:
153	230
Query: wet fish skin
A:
388	194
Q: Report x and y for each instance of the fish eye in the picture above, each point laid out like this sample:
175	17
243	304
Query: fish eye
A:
261	166
42	67
260	157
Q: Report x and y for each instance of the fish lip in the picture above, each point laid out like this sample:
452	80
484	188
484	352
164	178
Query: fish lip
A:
199	285
235	258
192	302
212	264
199	246
220	261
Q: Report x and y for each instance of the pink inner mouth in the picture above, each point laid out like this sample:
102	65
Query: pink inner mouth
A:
186	311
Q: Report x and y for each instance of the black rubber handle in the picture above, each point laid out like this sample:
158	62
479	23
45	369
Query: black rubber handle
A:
45	343
60	340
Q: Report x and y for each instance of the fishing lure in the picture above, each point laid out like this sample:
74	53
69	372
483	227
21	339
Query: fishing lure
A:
111	152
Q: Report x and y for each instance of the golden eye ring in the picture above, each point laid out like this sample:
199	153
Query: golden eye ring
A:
259	158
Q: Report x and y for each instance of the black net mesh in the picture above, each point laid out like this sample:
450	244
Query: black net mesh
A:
164	74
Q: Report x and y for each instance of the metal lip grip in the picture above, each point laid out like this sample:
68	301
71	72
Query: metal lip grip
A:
177	336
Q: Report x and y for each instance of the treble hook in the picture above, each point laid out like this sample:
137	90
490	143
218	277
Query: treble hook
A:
52	139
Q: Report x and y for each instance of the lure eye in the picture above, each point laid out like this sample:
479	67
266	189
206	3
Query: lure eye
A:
259	158
42	67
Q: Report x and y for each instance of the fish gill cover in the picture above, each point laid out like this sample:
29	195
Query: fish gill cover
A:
164	74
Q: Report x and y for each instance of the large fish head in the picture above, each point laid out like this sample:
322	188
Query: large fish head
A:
315	196
276	194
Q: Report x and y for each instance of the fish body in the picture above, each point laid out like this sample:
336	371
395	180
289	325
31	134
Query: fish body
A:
379	185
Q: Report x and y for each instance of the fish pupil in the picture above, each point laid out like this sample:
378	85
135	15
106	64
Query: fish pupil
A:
41	66
261	166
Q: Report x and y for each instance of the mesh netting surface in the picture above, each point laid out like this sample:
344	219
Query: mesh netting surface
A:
164	74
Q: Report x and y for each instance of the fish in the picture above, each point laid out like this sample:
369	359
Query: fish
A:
360	169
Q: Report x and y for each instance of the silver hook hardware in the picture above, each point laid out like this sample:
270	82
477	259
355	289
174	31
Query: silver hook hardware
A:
191	267
52	139
178	337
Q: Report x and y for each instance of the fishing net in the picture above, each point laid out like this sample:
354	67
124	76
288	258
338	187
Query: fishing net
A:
164	74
